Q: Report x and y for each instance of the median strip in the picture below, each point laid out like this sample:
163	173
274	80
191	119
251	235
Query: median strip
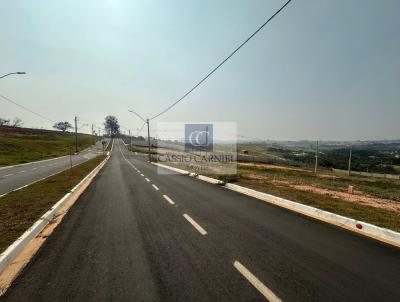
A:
195	225
264	290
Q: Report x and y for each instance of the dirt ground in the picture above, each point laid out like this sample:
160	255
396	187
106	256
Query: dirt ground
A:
356	197
269	166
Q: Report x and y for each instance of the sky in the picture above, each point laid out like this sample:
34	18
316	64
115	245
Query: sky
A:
327	70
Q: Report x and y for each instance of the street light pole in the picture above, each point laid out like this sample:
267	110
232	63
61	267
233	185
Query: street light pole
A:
147	121
316	158
18	72
349	168
76	134
148	138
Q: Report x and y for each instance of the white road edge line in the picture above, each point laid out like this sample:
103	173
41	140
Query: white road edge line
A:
155	187
148	180
265	291
195	225
168	199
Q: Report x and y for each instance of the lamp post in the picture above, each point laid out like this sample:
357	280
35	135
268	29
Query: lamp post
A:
18	72
147	121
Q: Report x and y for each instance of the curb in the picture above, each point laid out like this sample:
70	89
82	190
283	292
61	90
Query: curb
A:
360	227
15	248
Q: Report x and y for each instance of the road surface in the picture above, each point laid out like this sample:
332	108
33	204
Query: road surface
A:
135	235
14	177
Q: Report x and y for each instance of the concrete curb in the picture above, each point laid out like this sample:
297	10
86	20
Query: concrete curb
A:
360	227
14	249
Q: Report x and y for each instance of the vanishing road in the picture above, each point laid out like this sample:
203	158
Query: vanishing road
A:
136	235
15	177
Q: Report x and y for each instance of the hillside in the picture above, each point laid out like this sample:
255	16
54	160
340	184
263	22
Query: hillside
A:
22	145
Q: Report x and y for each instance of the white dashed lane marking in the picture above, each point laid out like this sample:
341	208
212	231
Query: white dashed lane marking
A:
148	180
155	187
195	224
264	290
168	199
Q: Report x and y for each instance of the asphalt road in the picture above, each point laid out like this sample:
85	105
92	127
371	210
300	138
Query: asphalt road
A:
125	241
14	177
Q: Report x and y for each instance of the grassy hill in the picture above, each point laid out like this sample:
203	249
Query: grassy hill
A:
22	145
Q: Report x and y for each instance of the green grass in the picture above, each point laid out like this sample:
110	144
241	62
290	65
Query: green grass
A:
18	150
20	209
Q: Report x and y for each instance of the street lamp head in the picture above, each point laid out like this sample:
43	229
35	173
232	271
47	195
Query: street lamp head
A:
21	72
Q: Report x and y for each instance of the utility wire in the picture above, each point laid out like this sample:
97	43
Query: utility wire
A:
220	64
141	128
27	109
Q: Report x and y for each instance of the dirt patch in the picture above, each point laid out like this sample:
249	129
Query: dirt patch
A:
357	197
269	166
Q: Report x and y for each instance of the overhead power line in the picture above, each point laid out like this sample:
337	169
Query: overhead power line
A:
222	63
27	109
141	128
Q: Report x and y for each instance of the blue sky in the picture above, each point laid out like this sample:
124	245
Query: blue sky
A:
320	70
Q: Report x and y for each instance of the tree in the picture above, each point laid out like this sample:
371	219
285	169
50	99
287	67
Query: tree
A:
63	126
4	122
17	122
111	125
